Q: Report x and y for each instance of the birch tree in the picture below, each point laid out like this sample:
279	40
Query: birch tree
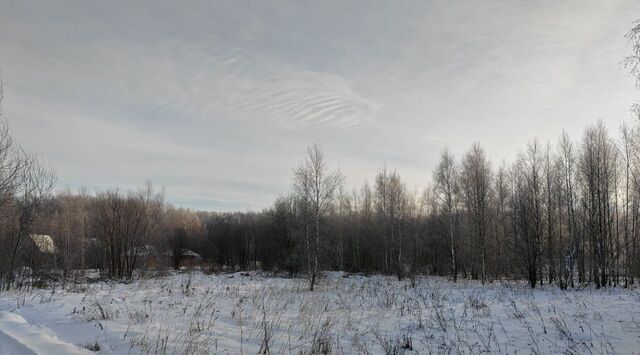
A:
446	190
316	185
476	186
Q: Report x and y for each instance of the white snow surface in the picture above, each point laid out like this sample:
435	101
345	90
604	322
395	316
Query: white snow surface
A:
17	336
245	313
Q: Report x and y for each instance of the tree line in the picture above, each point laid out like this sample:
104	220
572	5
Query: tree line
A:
566	212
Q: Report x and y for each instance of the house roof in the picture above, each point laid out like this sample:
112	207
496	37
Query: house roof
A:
44	243
185	252
188	252
143	251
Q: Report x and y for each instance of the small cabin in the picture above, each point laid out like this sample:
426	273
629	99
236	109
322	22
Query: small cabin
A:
188	258
39	252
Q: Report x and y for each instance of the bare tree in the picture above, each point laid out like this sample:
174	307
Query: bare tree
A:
344	222
632	62
551	186
569	247
596	172
476	179
36	181
627	149
423	209
316	185
366	212
526	204
69	227
356	235
500	221
446	189
391	203
127	224
25	182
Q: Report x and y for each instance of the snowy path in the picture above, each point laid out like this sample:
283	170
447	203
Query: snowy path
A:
19	337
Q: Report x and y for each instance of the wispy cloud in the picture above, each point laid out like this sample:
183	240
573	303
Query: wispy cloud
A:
217	101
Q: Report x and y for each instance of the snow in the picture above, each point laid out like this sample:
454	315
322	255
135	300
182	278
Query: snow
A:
17	336
243	312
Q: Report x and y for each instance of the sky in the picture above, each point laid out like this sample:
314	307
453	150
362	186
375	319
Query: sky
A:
216	101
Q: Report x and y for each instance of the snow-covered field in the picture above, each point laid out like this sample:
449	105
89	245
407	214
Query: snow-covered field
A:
248	313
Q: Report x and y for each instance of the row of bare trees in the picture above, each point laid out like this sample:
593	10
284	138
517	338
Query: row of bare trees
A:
25	182
125	225
564	213
109	230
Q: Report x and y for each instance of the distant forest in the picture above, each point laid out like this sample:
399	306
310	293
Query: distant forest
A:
566	211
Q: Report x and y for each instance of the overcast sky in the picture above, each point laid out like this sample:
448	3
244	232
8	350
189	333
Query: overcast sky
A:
216	101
